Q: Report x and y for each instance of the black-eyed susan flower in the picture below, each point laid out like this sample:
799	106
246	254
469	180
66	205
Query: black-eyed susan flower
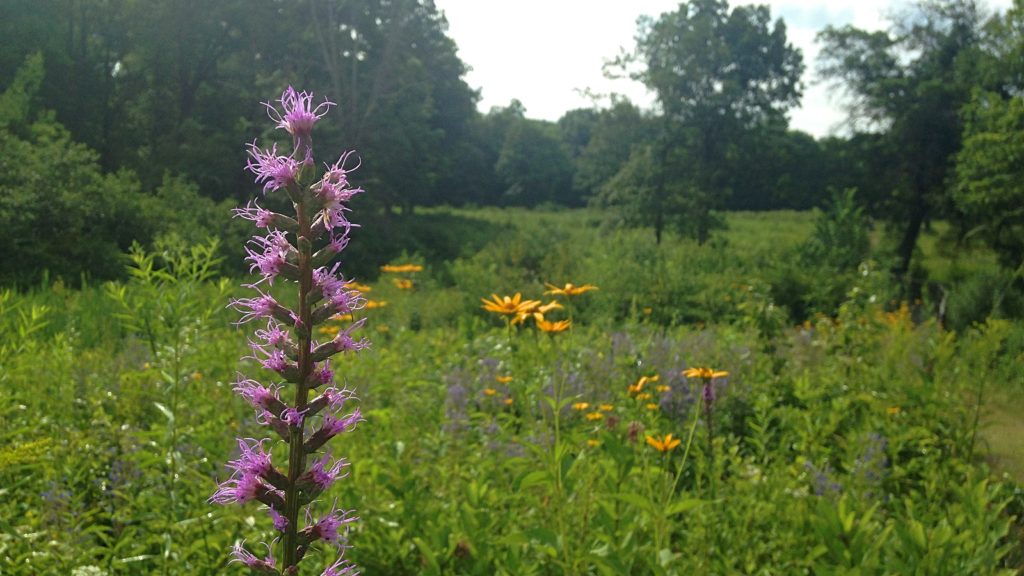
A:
553	327
704	373
569	289
663	445
639	386
508	305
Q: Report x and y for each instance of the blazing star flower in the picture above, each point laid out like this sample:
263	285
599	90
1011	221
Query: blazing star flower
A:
286	345
330	527
267	565
341	567
271	169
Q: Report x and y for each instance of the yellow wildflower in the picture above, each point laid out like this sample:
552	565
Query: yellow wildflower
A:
508	305
665	445
553	327
704	373
568	290
401	268
636	388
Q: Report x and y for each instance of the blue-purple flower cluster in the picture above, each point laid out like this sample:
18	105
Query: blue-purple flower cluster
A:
315	410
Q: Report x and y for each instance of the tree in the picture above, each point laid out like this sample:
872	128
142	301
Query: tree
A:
989	183
717	73
909	84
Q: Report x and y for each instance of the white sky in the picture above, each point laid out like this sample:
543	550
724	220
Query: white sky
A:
544	53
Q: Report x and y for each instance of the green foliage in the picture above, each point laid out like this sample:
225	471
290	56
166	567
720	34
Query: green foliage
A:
990	177
846	444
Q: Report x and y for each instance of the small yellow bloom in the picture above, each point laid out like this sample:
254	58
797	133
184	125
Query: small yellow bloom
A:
553	305
593	443
663	388
401	268
704	373
651	406
643	396
665	445
358	287
403	283
581	406
490	391
372	304
893	410
503	379
636	388
553	327
595	416
568	290
508	305
606	407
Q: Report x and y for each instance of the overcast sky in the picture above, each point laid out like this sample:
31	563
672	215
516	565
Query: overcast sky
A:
545	53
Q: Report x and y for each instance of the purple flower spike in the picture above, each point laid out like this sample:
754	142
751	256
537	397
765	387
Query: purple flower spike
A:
297	249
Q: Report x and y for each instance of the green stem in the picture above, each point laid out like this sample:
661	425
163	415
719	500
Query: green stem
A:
296	451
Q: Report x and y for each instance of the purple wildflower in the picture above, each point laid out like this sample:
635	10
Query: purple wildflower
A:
341	567
299	117
270	256
253	211
280	522
273	171
330	528
241	488
321	476
242	555
253	460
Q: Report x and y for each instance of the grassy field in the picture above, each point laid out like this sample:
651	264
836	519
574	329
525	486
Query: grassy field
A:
855	441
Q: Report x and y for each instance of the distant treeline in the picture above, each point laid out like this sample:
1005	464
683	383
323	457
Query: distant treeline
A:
123	120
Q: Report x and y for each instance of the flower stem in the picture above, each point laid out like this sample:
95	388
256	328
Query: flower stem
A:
296	451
